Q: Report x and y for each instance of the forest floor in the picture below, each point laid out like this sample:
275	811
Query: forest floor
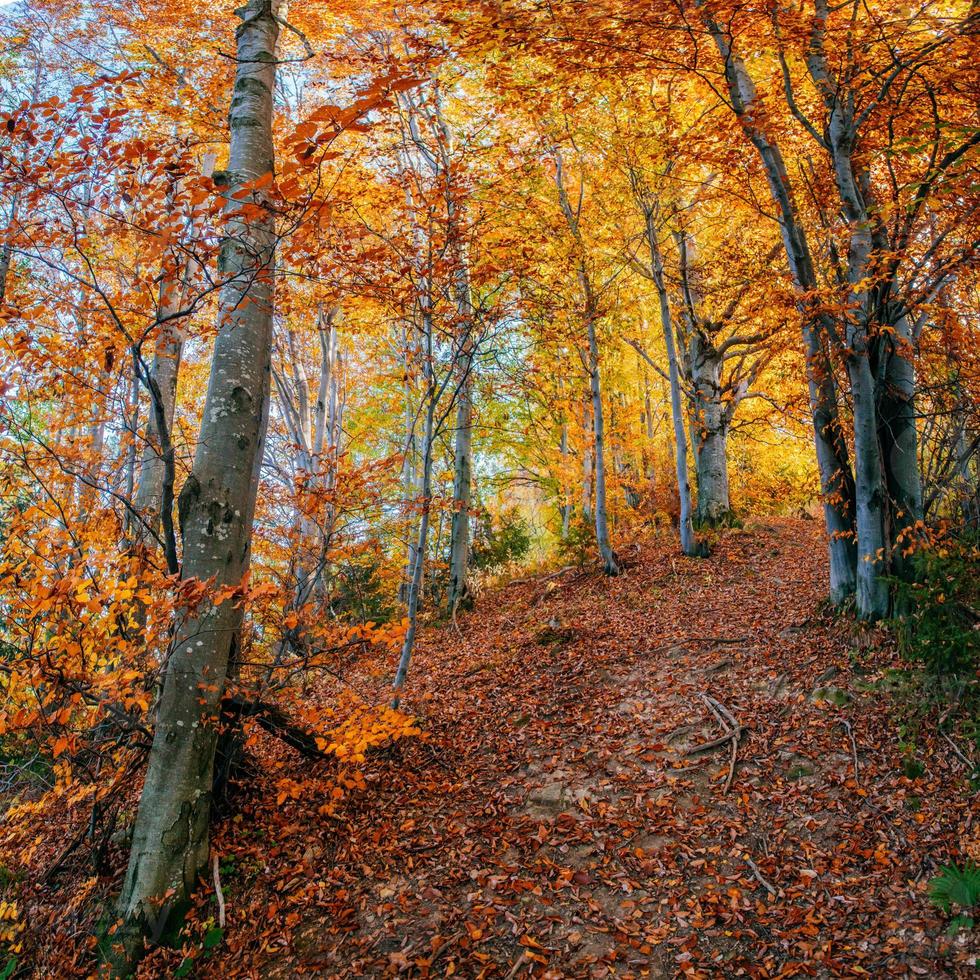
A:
552	822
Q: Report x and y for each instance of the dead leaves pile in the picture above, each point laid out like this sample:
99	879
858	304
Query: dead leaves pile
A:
557	818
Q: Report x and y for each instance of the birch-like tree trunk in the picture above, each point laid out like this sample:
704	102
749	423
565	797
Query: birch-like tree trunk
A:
689	543
900	439
565	504
586	464
609	561
590	315
840	139
649	470
6	249
170	838
459	548
711	432
156	459
314	430
833	462
417	569
156	471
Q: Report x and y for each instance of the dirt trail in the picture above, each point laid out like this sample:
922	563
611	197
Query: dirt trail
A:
554	822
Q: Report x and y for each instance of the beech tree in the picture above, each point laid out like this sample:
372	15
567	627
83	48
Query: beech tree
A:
345	345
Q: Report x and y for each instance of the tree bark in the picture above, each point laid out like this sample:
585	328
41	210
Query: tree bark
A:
590	314
836	478
711	433
899	440
459	550
689	544
610	564
170	840
565	504
155	482
586	465
419	551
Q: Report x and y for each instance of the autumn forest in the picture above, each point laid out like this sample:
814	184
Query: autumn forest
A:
489	488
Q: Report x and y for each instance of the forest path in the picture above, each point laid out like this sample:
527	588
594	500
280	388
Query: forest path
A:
553	823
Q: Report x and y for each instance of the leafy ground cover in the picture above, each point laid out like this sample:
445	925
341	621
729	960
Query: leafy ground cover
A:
556	819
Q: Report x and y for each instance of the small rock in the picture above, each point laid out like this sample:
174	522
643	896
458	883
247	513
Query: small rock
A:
834	695
550	798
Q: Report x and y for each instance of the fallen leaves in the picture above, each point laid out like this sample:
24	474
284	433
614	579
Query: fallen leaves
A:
586	841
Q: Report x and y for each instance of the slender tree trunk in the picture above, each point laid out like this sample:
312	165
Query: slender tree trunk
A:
409	465
155	482
6	249
872	589
587	437
418	564
610	564
132	427
459	549
899	440
165	369
689	544
649	471
565	504
870	502
590	306
170	839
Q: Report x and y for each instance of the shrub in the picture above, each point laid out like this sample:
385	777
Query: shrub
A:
940	624
960	887
500	542
577	547
361	593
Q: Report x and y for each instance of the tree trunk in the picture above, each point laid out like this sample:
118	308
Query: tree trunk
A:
711	433
170	839
586	465
689	544
836	479
409	465
610	564
459	548
872	589
565	503
649	472
164	371
6	249
418	563
155	483
900	443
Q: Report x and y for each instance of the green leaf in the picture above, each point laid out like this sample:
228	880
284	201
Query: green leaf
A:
959	923
956	886
186	967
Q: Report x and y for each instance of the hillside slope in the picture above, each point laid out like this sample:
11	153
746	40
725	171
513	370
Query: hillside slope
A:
553	822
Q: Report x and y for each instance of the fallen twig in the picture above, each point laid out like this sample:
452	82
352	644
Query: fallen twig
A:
451	941
677	732
959	755
217	890
731	766
516	966
854	749
757	874
714	743
732	729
